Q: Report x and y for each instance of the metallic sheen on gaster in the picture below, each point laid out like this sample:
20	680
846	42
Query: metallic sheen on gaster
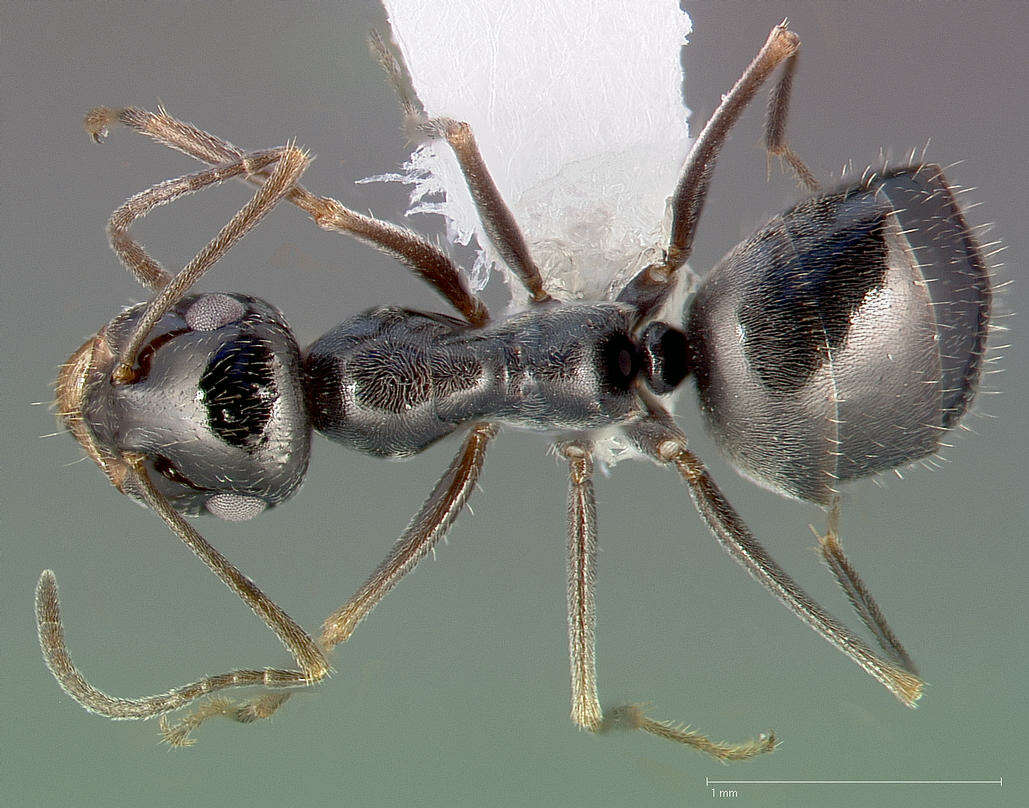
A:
845	336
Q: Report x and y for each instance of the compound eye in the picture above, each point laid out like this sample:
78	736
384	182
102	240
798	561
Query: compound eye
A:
211	312
619	362
235	507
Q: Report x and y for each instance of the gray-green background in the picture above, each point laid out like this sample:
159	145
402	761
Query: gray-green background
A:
455	692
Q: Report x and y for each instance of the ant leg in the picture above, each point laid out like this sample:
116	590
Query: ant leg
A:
652	285
290	164
426	260
130	252
582	577
775	126
659	437
163	128
425	530
857	593
497	219
312	664
307	655
495	215
691	191
71	680
582	558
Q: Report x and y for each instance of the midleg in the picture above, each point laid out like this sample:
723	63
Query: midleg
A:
496	217
425	530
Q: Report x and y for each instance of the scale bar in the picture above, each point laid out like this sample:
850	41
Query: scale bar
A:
998	782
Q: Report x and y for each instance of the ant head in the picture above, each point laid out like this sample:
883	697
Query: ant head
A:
72	385
214	406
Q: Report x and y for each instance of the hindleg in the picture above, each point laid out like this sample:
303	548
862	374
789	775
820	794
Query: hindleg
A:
857	593
659	438
650	287
582	558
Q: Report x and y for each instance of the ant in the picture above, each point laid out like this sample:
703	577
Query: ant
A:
841	340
